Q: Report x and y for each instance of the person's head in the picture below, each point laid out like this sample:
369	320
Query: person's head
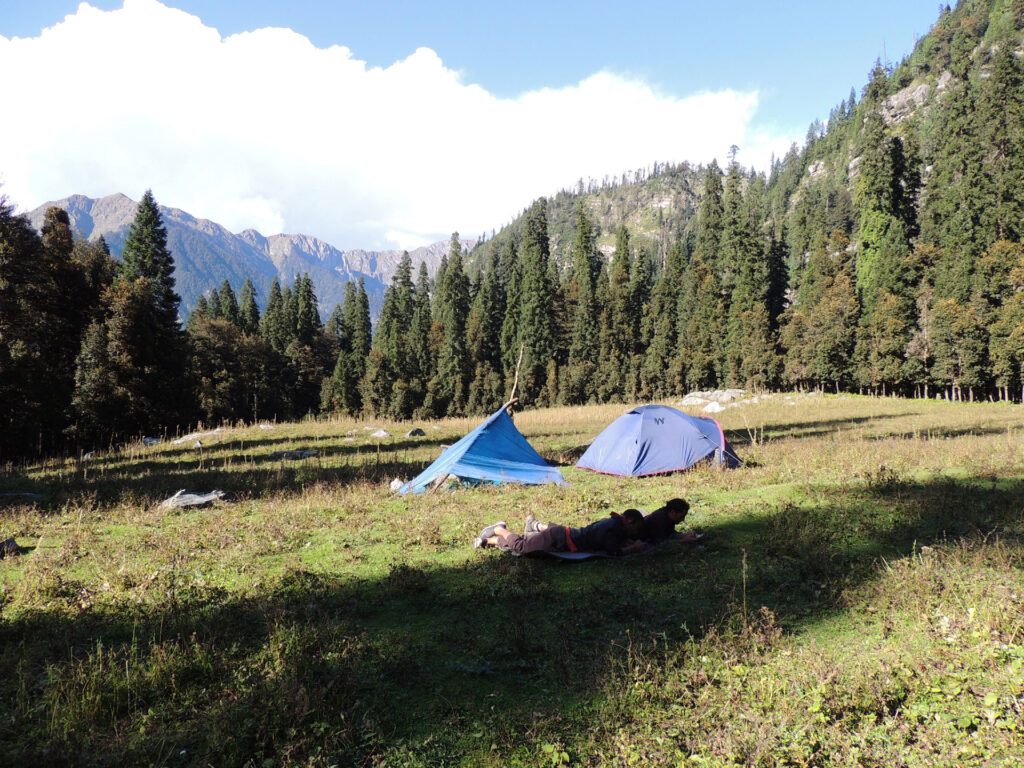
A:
677	509
634	520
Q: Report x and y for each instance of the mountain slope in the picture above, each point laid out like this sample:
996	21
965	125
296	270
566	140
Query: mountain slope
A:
206	254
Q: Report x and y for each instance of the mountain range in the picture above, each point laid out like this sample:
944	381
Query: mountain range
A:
206	253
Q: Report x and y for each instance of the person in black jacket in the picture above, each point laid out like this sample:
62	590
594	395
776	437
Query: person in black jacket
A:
615	535
661	524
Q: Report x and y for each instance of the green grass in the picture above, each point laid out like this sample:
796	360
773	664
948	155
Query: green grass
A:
857	602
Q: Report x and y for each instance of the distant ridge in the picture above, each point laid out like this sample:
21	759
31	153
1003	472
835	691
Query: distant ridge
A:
206	253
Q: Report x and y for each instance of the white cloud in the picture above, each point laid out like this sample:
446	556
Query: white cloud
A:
264	130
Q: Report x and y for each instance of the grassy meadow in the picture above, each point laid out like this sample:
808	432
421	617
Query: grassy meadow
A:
857	601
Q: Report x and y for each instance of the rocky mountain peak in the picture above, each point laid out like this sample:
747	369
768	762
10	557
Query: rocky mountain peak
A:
206	253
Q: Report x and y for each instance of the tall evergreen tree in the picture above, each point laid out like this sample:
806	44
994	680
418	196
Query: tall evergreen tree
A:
307	311
289	317
1000	117
701	327
70	302
734	242
387	384
274	324
750	348
201	311
511	327
227	303
28	325
953	195
661	362
483	339
641	323
581	296
535	305
248	311
710	215
146	350
145	254
342	392
618	323
446	392
421	356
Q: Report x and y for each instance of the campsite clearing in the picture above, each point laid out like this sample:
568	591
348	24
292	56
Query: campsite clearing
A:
857	600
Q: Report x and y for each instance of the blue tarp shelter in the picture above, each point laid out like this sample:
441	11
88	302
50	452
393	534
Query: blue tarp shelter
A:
494	452
652	439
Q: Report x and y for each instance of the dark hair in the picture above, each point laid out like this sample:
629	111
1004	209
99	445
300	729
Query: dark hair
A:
633	516
678	505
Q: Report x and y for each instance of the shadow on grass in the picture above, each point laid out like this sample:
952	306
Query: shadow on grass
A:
439	662
240	475
799	429
257	446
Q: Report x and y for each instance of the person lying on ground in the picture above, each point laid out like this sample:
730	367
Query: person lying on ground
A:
661	524
615	535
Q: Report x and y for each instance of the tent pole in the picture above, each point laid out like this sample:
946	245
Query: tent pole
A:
512	398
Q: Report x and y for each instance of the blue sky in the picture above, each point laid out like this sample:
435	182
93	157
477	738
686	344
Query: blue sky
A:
640	82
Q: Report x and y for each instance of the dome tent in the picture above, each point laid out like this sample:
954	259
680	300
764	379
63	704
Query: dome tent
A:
494	452
652	439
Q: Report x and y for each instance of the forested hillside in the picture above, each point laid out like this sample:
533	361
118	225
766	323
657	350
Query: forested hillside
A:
885	255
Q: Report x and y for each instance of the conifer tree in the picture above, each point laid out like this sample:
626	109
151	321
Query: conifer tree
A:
750	347
882	343
95	406
661	362
483	339
289	317
27	326
960	349
421	357
227	303
446	392
708	365
334	328
144	394
201	311
952	199
734	241
535	305
308	351
581	296
702	325
307	311
618	330
145	254
920	353
220	390
833	331
710	216
273	324
1006	346
248	311
343	392
887	185
69	304
641	323
511	327
98	269
997	282
146	348
387	383
1000	116
778	281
